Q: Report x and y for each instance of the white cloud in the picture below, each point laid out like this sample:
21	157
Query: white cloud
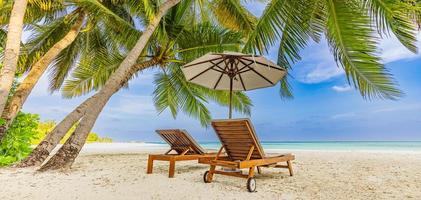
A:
129	104
342	88
318	65
410	107
392	50
322	72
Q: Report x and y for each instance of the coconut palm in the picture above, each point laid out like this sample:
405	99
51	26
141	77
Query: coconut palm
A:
193	98
61	41
7	72
352	29
41	152
116	81
172	90
14	14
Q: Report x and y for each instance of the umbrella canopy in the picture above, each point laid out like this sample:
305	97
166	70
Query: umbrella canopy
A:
233	71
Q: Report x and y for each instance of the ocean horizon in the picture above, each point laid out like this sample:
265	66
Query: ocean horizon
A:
272	146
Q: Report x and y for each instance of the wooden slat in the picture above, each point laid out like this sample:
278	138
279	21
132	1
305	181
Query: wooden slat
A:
229	123
240	128
233	140
178	141
238	147
242	132
239	150
243	154
239	136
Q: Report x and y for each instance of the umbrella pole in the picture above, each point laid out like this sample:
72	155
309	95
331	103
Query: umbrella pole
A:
230	109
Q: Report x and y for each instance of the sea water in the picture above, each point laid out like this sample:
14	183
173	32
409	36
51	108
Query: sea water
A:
372	146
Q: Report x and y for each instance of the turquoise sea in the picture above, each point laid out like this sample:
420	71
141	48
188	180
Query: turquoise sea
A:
375	146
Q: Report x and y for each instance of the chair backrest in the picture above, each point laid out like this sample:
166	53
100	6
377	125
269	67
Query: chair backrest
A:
237	136
180	140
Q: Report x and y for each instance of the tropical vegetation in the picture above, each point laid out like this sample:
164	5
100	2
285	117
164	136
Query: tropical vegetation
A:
96	47
27	130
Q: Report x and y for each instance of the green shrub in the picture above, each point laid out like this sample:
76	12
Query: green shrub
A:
45	127
95	138
16	144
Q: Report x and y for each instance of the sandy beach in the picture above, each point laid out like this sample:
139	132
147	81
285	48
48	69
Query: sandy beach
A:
118	174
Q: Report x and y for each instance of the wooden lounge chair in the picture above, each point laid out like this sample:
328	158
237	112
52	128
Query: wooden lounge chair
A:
243	151
184	146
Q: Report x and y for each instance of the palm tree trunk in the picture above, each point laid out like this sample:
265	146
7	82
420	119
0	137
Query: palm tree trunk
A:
22	92
44	148
11	52
71	148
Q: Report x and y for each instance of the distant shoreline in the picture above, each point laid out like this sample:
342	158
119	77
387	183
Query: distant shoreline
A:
147	147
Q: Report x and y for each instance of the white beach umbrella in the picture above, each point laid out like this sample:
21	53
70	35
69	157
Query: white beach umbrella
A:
233	71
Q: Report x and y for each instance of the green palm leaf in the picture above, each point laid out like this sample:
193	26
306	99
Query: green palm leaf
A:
63	64
92	73
189	100
270	25
354	47
391	15
43	38
204	38
233	15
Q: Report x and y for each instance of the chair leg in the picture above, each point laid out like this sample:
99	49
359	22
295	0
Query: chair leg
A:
172	168
291	173
211	173
259	170
251	172
150	165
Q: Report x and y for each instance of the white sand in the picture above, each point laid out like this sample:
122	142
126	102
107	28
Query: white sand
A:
114	174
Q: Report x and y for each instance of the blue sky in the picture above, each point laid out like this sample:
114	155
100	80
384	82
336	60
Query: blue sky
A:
325	107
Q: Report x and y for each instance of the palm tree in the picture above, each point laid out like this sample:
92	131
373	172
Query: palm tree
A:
55	42
182	44
352	29
14	34
166	40
41	152
116	81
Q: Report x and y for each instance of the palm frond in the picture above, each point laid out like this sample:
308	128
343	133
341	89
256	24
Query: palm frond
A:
63	64
317	21
36	11
353	44
390	15
187	99
240	101
43	38
91	73
285	89
205	38
3	36
231	14
97	9
270	25
295	34
174	92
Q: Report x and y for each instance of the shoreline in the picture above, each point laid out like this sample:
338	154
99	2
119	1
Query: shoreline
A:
144	147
